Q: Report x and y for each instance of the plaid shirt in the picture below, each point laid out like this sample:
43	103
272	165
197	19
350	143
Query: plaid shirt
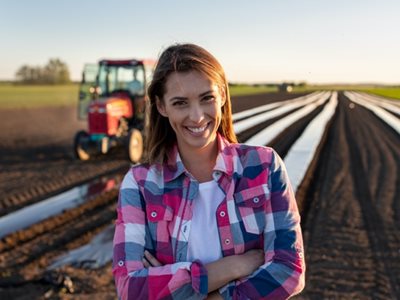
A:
259	212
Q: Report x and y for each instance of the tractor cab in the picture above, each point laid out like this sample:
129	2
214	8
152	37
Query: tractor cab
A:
123	80
121	76
114	107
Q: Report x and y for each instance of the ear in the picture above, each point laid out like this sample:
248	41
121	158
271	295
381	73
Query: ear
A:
161	107
223	97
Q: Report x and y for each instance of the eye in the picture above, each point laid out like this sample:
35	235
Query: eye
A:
179	103
209	98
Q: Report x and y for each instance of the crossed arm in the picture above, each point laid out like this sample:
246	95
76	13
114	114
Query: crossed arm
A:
222	271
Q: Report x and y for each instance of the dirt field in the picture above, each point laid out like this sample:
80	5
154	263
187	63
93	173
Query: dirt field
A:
350	206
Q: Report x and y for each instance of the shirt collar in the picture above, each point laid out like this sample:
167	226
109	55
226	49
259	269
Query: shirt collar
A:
174	167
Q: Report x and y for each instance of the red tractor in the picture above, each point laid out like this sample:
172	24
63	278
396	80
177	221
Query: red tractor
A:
112	98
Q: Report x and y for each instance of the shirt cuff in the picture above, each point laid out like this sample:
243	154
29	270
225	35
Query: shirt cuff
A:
199	277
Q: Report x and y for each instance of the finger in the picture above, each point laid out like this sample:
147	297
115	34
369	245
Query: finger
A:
145	263
152	260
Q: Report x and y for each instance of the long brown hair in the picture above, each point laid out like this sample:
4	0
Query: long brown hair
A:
160	136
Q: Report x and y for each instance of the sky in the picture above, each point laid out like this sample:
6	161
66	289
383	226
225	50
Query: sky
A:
256	41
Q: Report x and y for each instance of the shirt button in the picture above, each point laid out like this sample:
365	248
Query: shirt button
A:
227	241
222	214
217	174
121	263
153	214
256	200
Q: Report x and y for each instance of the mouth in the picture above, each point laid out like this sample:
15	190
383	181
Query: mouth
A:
197	130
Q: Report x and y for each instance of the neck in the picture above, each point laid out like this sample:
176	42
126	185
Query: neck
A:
200	163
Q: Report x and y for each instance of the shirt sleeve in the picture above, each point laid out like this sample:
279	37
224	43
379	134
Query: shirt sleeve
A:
183	280
283	273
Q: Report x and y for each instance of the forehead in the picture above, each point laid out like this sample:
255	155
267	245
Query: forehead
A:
188	82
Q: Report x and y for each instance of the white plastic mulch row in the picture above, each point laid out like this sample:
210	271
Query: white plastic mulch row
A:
37	212
245	124
384	99
388	105
387	117
303	150
93	255
265	136
262	108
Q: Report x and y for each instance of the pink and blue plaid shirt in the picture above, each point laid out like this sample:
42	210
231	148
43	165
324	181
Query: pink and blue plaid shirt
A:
259	212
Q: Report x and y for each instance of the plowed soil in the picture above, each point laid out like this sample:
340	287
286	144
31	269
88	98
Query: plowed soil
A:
352	210
350	205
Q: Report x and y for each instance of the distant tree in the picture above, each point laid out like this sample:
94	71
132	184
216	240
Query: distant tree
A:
28	74
55	72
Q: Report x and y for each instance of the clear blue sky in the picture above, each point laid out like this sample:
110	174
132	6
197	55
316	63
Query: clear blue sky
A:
317	41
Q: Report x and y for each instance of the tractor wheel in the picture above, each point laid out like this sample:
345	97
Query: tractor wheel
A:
135	145
80	152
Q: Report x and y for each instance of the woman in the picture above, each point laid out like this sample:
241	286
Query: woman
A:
205	216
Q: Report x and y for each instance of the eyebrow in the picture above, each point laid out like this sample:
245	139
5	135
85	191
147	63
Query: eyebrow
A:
184	98
205	93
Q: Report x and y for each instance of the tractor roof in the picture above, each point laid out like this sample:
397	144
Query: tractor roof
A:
124	62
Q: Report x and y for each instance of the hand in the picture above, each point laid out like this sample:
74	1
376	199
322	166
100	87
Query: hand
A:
248	262
150	261
233	267
214	296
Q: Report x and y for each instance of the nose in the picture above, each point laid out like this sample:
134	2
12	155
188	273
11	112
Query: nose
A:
196	113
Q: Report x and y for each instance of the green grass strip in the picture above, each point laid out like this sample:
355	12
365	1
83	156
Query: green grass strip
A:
387	92
240	90
26	96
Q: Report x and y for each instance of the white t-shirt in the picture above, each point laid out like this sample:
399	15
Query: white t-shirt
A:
204	243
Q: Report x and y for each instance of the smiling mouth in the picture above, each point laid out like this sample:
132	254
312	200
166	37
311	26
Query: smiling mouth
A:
197	129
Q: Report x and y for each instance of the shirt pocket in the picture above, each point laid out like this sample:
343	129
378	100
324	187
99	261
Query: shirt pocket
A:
159	225
158	213
251	204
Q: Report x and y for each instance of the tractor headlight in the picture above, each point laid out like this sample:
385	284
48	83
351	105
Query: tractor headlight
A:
96	109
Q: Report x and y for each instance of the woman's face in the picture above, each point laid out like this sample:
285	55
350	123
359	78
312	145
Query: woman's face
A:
192	103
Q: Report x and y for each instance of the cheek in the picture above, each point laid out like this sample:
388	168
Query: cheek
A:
174	118
216	111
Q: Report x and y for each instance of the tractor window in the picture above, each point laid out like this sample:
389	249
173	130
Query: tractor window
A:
125	75
136	85
121	77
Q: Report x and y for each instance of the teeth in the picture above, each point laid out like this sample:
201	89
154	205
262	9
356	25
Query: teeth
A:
197	129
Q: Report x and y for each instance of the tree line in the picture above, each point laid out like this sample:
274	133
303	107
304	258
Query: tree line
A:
54	72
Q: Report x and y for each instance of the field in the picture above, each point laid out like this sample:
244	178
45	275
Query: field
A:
387	92
21	96
349	202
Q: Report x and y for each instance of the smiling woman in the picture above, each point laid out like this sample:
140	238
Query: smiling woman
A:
192	104
205	216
